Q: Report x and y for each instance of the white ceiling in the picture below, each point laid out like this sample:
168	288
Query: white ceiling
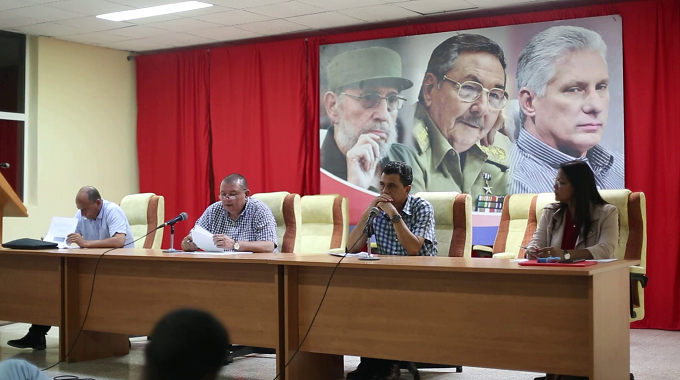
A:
227	20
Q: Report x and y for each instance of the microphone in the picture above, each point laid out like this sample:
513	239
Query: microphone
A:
178	218
368	230
369	223
4	165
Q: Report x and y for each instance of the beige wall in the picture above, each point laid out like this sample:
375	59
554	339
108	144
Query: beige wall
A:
82	130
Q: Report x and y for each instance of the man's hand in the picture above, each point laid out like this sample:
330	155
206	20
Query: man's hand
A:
499	125
223	241
362	160
384	202
188	244
78	239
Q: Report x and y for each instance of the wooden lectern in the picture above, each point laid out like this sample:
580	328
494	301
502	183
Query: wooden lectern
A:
10	204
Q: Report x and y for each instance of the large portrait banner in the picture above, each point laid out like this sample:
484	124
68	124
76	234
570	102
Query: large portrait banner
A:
489	112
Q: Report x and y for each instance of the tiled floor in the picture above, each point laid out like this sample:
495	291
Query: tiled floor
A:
655	355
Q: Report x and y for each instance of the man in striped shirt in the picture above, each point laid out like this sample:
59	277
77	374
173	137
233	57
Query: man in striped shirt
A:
563	83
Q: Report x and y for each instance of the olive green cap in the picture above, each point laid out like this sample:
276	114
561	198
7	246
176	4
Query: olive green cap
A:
370	64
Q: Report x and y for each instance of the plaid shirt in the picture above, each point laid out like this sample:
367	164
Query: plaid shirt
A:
418	215
255	223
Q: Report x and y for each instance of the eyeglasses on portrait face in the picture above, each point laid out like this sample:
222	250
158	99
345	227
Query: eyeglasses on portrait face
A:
469	91
372	100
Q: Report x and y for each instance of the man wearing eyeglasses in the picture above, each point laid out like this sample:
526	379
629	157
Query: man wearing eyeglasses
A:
459	106
362	102
237	221
563	82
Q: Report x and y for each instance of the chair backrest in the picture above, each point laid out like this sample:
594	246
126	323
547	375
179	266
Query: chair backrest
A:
325	223
542	200
286	209
144	213
517	226
453	222
632	221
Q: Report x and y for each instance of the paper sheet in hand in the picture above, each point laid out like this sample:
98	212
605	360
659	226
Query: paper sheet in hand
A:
204	240
60	228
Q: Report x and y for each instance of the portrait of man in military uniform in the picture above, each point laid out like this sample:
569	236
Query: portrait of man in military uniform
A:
564	97
458	112
362	103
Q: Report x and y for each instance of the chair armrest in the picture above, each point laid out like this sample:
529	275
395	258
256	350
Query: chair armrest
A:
637	275
484	248
504	255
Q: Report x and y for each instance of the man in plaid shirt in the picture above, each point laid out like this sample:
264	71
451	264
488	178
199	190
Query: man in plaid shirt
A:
405	224
238	222
405	227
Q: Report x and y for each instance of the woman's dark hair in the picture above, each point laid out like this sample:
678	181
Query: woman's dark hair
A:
584	194
186	344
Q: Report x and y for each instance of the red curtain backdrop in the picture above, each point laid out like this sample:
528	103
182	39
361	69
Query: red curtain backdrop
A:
12	152
264	113
258	115
173	131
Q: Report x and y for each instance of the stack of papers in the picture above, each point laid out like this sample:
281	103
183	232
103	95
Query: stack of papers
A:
204	240
342	254
59	230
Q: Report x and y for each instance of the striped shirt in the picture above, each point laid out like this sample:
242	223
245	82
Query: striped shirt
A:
534	166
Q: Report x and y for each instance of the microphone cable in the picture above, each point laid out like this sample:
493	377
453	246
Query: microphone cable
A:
320	303
89	302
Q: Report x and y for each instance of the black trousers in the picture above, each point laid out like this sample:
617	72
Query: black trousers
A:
39	329
375	367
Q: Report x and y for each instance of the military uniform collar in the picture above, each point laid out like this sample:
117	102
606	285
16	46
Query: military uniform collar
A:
437	142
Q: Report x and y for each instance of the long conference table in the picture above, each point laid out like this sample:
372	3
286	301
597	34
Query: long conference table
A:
458	311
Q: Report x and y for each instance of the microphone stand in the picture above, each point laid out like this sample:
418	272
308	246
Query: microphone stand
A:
172	241
368	230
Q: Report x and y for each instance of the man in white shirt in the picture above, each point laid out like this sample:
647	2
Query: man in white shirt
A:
101	224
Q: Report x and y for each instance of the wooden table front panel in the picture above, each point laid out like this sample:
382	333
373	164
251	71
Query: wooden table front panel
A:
30	288
506	321
131	295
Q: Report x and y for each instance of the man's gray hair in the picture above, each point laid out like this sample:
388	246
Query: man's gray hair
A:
237	179
536	64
